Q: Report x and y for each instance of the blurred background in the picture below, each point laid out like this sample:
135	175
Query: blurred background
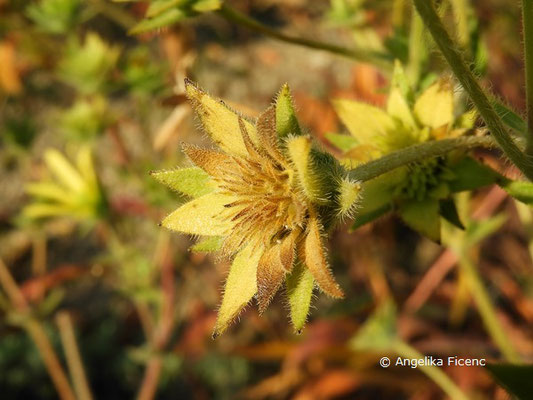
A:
97	299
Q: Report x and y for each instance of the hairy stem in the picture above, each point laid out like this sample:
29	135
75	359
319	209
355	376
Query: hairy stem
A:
379	59
487	311
414	153
527	21
472	87
433	372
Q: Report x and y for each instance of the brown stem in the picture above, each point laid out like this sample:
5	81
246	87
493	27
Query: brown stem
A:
72	353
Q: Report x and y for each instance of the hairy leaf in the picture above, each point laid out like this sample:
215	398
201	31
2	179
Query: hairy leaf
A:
300	285
193	182
286	121
422	216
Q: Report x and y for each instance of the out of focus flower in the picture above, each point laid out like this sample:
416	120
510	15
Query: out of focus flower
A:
267	199
73	192
419	193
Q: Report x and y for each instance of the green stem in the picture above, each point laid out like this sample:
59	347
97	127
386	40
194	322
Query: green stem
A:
527	20
415	153
487	311
379	59
472	87
433	372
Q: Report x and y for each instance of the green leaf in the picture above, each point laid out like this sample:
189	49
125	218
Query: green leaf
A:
400	81
240	287
300	285
365	218
509	117
470	175
166	18
194	182
479	230
342	142
422	216
516	379
434	107
520	190
379	331
448	210
156	7
208	245
286	121
202	6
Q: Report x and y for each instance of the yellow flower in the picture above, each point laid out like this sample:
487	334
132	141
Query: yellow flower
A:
266	199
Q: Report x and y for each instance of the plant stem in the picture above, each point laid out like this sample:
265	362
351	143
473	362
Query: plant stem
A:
487	310
434	373
72	354
472	87
37	333
418	152
378	59
527	21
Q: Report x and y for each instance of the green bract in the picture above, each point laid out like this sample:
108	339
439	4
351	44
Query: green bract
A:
420	193
266	200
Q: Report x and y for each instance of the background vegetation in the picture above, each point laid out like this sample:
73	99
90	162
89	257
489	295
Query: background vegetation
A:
98	301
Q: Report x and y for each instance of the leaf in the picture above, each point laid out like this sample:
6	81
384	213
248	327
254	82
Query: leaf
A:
315	260
241	286
300	285
202	6
509	117
286	121
400	81
422	216
434	107
220	122
201	216
379	331
365	218
516	379
342	142
156	7
208	245
193	182
520	190
479	230
470	174
448	211
364	122
166	18
348	196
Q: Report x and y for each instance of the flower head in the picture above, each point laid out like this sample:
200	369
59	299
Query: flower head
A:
266	199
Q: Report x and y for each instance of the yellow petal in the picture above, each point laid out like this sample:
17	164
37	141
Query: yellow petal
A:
63	170
219	121
434	107
268	138
201	216
241	286
365	122
315	260
398	108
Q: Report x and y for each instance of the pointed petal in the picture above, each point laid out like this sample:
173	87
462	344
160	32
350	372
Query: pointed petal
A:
397	107
270	273
275	263
268	138
64	170
315	260
219	121
285	117
299	149
212	162
208	244
201	216
434	107
300	285
240	287
250	147
193	182
365	122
